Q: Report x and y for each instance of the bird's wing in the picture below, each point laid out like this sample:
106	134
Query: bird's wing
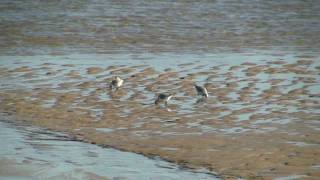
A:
162	96
205	91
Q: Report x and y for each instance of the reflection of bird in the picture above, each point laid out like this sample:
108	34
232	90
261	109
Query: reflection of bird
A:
163	98
202	91
116	83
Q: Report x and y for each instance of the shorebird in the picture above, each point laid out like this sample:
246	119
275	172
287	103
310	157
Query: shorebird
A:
117	83
202	91
163	98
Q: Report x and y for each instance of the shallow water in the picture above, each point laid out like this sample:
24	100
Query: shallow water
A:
34	153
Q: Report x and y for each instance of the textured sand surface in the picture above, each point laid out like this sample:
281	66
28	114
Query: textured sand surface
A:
260	121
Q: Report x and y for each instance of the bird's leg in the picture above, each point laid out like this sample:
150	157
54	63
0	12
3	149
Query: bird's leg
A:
204	99
198	101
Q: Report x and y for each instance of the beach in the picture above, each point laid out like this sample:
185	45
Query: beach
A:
262	124
259	61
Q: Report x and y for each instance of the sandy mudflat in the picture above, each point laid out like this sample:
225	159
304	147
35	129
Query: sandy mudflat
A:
260	121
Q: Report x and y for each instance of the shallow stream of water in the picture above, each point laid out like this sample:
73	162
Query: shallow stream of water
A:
29	152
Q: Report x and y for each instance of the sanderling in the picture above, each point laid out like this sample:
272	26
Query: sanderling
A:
202	91
163	98
116	83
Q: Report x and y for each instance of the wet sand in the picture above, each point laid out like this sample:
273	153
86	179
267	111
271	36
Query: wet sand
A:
261	120
157	26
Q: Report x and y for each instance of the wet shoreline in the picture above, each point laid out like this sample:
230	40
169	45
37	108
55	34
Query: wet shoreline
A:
258	59
102	27
31	146
262	123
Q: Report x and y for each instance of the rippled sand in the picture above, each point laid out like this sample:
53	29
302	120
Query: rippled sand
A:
260	121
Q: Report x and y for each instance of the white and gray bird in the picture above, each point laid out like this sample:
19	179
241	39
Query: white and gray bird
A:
117	82
163	98
201	91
